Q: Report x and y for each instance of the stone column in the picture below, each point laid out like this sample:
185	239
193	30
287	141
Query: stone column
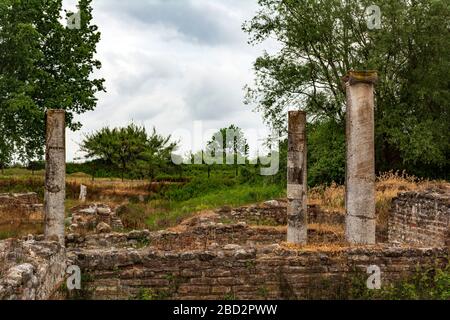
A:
55	175
360	171
296	180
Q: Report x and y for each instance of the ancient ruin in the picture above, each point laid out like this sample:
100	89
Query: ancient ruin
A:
231	253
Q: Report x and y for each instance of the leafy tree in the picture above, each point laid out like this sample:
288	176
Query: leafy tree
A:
321	40
230	144
157	154
44	65
326	152
5	154
120	146
128	149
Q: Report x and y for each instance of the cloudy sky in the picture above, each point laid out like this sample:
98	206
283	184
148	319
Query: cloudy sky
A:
171	64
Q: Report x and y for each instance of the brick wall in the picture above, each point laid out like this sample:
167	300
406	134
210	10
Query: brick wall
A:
275	213
267	272
421	218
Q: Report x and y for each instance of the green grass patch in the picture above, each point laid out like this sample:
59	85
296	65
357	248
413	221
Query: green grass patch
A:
172	212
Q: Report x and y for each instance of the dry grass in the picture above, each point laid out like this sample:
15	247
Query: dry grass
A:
330	198
326	247
388	186
337	230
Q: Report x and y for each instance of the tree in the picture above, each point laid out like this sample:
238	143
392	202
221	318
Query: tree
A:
157	153
321	40
129	149
230	144
44	65
121	147
5	155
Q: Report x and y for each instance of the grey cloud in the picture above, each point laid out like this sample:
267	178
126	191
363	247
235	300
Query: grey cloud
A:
198	20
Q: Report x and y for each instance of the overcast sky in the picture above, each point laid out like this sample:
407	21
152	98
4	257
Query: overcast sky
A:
169	63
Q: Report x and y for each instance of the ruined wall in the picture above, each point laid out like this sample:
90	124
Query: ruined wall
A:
208	235
275	213
267	272
94	217
20	208
30	270
421	218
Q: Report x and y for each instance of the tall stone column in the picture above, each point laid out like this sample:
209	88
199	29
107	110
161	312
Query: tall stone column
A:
55	175
297	188
360	172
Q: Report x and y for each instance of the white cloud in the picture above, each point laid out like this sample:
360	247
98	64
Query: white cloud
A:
170	63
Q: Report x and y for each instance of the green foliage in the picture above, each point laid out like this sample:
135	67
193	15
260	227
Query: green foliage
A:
147	295
129	149
326	153
197	187
171	212
322	40
43	65
230	145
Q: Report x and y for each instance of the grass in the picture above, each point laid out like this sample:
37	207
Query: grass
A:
163	213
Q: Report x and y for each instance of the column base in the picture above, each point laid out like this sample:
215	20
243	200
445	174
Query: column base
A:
360	230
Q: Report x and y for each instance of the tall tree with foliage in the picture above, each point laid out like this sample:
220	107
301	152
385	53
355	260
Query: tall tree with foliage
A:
157	154
129	149
231	144
44	65
121	147
321	40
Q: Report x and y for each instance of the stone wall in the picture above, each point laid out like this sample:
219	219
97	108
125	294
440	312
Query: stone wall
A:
30	270
421	218
275	213
206	235
266	272
20	208
94	218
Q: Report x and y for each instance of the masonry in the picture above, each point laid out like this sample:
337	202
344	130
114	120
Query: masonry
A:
266	272
21	208
275	213
30	270
421	218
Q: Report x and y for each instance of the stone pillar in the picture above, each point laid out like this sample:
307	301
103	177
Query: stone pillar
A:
296	180
360	171
83	193
55	175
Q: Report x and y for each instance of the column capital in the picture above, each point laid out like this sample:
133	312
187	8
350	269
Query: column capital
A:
354	77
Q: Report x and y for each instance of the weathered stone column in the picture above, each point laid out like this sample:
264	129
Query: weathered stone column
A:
297	187
55	175
360	172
